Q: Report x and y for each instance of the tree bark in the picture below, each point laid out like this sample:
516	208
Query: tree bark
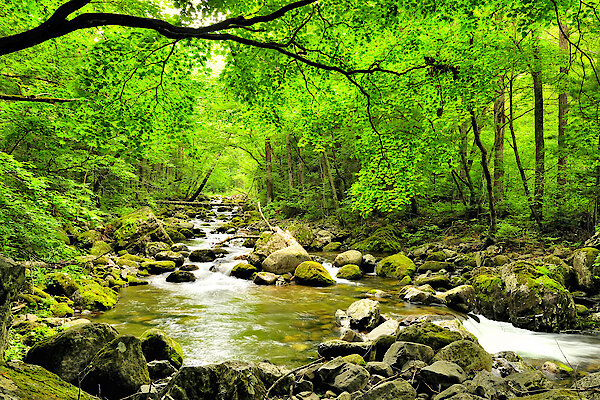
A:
486	174
563	41
288	146
540	167
466	170
269	180
499	124
334	195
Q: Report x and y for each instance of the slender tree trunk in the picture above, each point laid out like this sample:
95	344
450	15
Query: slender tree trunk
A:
562	111
288	147
205	180
499	124
486	174
268	154
540	167
334	195
466	170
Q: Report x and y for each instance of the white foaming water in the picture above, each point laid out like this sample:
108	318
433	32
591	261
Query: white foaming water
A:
502	336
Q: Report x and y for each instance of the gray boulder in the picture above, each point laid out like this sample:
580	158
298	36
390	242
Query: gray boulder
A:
285	260
401	352
341	376
265	278
169	255
160	369
489	386
469	355
341	348
364	314
442	374
348	257
398	389
390	327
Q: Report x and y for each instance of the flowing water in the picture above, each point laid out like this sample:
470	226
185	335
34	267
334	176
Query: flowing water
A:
218	318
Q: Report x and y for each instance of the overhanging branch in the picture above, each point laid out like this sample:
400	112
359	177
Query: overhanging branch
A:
51	100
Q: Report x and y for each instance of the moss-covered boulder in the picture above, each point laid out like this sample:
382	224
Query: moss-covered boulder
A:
244	271
69	352
302	232
87	238
153	248
158	267
490	296
95	297
429	334
351	272
558	270
61	310
587	272
203	255
118	370
268	243
439	256
157	345
312	273
60	284
436	266
386	239
134	230
333	246
20	381
396	266
101	248
470	356
181	277
177	258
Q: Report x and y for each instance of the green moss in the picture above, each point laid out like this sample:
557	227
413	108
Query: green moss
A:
158	267
133	280
436	266
61	310
333	246
100	248
123	262
244	271
397	266
350	271
386	239
131	257
175	235
313	274
302	232
429	334
437	256
355	359
157	345
96	297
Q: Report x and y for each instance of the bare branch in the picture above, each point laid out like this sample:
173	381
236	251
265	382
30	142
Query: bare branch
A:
51	100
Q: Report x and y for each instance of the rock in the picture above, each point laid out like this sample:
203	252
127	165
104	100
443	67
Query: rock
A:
227	381
591	382
556	370
134	230
69	352
455	390
341	348
355	359
348	257
244	271
390	327
461	298
398	389
559	394
558	270
269	374
397	266
442	374
265	278
490	386
333	246
302	233
160	369
412	294
364	314
401	352
203	255
490	295
435	280
179	247
158	267
379	368
95	297
88	238
153	248
118	370
343	376
429	334
435	266
369	263
523	382
285	260
60	284
177	258
101	248
312	273
12	280
76	322
469	355
351	272
189	267
585	271
157	345
305	396
61	310
181	276
380	346
322	238
20	381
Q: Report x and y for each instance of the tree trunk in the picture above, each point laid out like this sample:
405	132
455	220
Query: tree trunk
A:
268	153
466	170
562	111
208	174
334	195
540	167
499	124
486	174
288	146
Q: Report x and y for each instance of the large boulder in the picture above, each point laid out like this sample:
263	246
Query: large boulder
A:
490	386
204	255
364	314
389	327
586	271
351	272
469	355
158	267
321	239
134	230
20	381
157	345
401	352
442	374
461	298
429	334
490	296
69	352
12	279
244	271
342	376
398	389
227	381
396	266
285	260
169	255
312	273
181	276
95	297
118	370
60	284
341	348
348	257
267	243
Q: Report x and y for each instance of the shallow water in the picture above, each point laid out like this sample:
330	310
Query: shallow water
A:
218	318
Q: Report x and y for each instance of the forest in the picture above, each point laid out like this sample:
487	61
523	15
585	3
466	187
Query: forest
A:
453	144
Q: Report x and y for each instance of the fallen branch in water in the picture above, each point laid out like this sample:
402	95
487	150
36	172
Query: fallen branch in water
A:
238	237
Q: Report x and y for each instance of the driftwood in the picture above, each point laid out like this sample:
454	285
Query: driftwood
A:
287	236
196	203
237	237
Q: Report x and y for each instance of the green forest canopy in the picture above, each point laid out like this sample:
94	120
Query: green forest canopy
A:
320	108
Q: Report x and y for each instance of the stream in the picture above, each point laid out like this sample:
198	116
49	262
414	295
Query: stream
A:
219	318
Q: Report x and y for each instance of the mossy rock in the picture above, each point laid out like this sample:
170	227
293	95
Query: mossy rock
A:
124	262
134	230
101	248
351	272
396	266
95	297
311	273
586	269
32	382
429	334
133	280
157	345
435	266
470	356
356	359
386	239
437	256
88	238
61	310
333	246
490	295
176	235
132	257
158	267
558	270
302	232
60	284
244	271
